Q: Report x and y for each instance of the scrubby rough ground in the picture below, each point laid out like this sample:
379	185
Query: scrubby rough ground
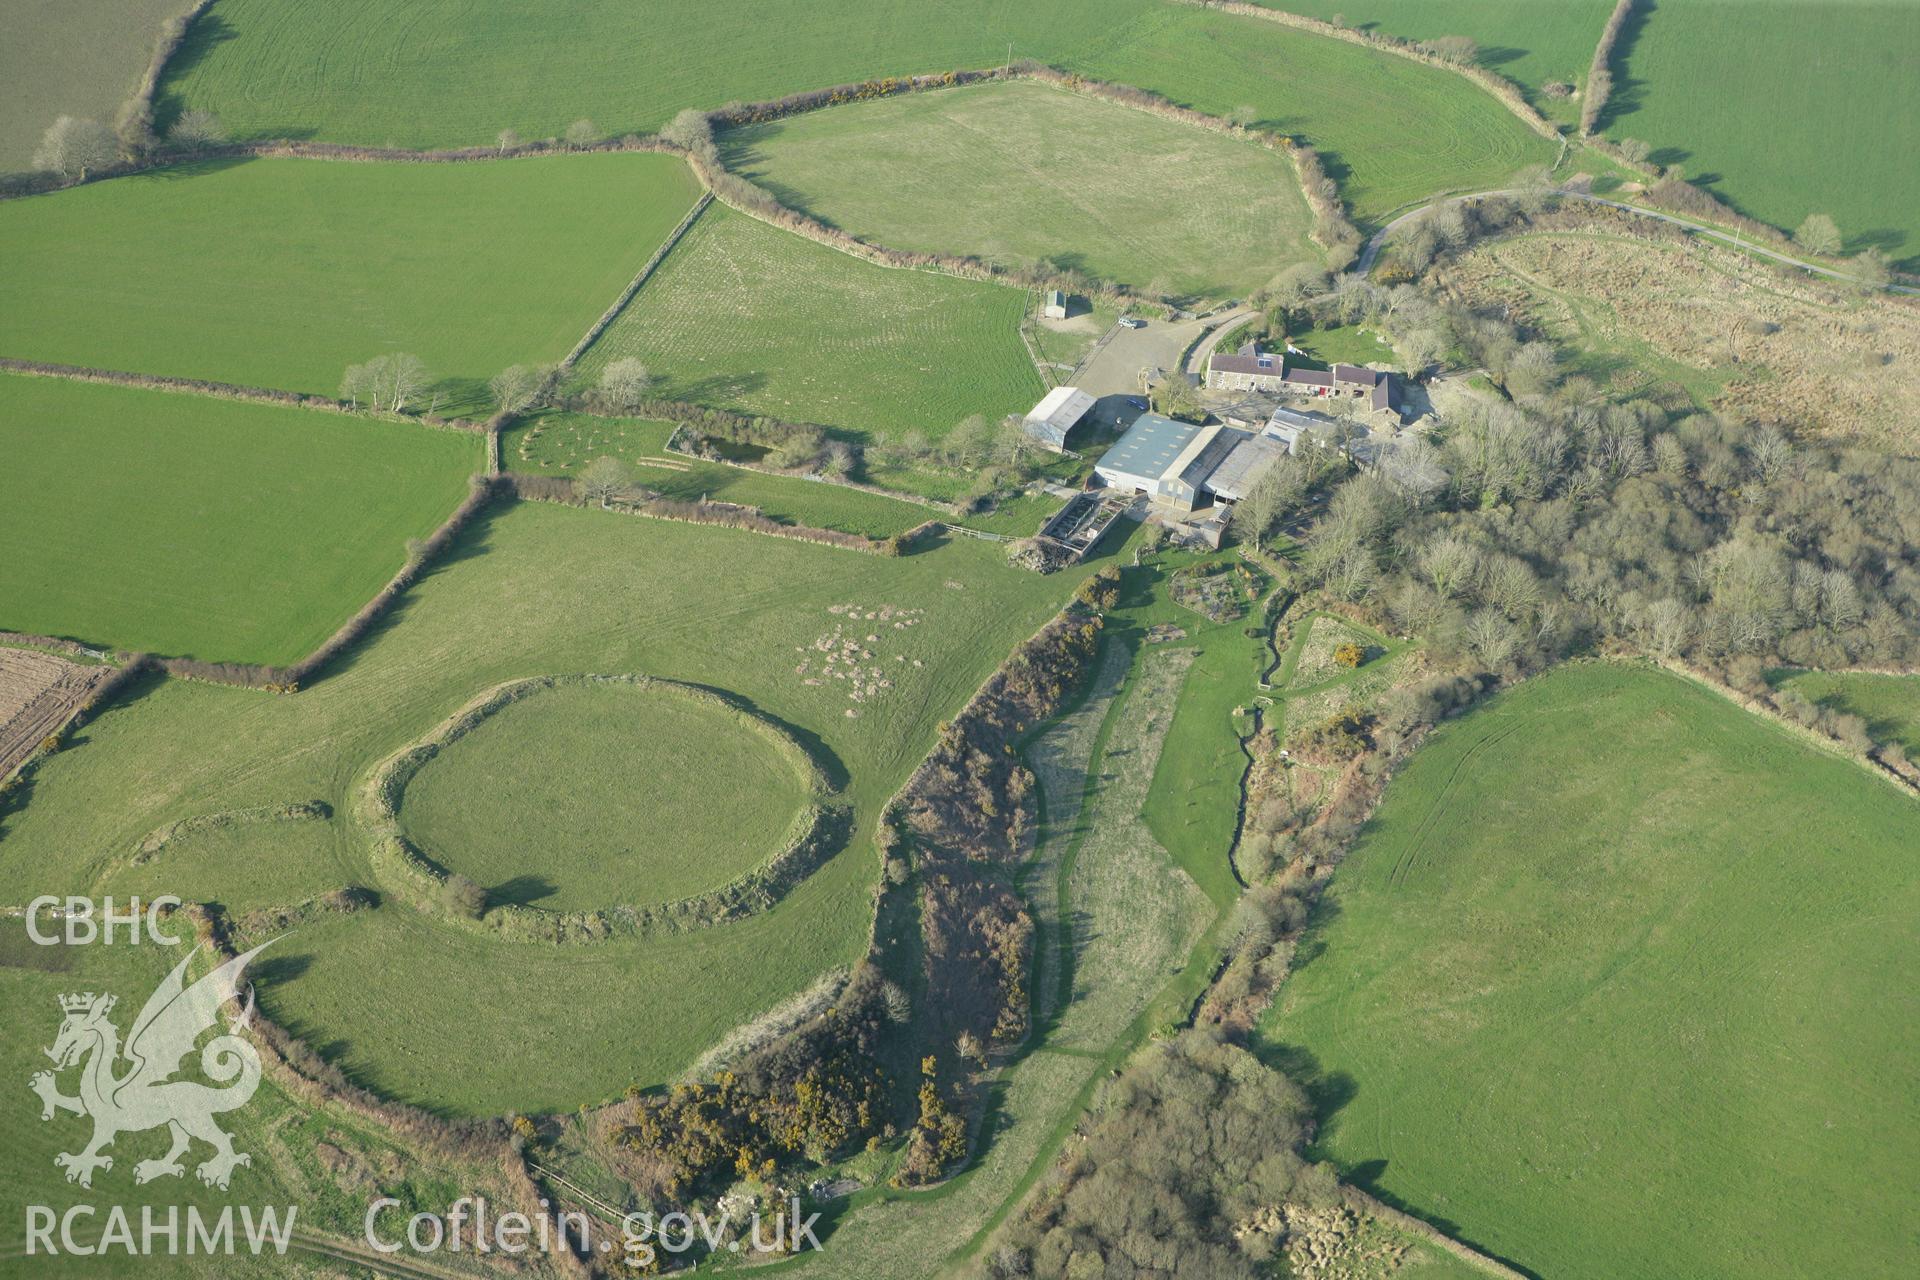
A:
1764	344
1130	917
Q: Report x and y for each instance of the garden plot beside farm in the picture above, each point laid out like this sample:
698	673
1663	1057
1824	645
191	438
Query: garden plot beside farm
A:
189	526
542	589
1391	131
1614	932
748	317
280	273
1017	173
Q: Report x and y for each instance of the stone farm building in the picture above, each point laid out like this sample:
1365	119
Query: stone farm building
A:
1183	466
1252	369
1057	414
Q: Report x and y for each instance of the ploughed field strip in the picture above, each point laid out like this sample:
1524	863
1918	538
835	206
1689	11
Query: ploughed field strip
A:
188	526
39	692
1017	173
280	273
749	317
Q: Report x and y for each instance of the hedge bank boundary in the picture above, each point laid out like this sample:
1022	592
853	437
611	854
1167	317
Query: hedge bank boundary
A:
815	834
724	515
1506	91
228	391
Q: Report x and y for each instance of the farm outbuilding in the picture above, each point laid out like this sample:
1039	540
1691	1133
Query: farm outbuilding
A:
1056	305
1181	465
1057	414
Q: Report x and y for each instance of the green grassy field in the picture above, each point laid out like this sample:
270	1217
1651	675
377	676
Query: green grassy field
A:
1524	40
280	273
561	443
595	795
749	317
188	526
416	1007
454	72
289	1144
70	59
1889	704
1620	982
1784	108
1391	131
1017	173
241	867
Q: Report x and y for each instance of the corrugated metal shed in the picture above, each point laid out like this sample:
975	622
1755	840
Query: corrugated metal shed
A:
1055	415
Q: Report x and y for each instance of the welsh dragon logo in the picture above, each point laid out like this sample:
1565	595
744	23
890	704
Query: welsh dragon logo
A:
145	1096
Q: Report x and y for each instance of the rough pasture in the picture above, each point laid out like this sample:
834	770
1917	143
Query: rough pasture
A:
1018	173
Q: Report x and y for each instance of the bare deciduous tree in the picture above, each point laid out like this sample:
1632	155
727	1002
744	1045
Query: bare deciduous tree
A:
508	140
582	133
385	382
73	147
1819	234
520	387
1449	562
690	129
196	129
603	480
624	384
